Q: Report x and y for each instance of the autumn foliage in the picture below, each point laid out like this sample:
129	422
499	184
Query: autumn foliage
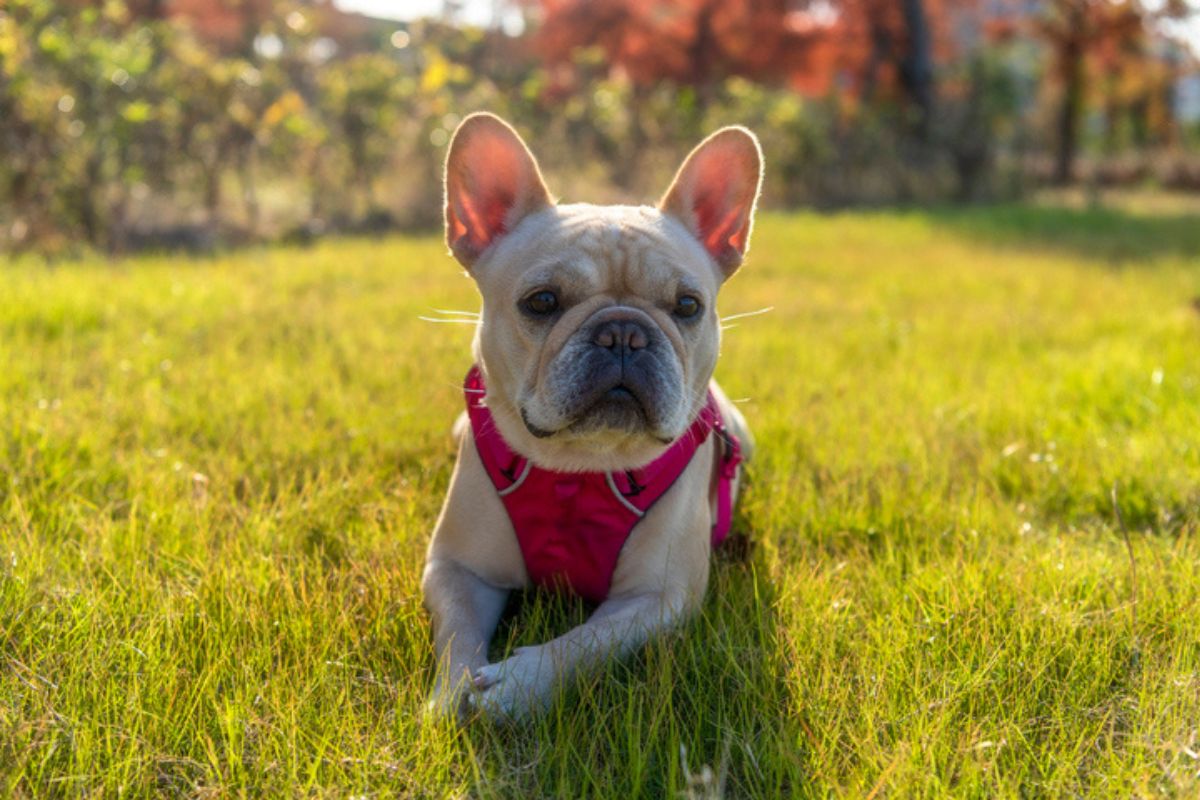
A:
122	119
816	47
871	50
691	41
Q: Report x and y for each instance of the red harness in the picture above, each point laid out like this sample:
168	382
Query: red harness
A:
571	526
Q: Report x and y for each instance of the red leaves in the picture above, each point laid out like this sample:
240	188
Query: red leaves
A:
688	41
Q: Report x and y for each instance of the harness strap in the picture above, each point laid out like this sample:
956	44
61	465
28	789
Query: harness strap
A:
731	459
571	526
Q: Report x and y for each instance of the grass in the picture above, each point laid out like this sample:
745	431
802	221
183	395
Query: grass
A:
219	476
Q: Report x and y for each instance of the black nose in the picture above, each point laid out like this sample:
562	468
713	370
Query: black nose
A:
620	336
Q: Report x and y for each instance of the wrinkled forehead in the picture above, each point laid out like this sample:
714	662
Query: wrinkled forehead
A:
608	248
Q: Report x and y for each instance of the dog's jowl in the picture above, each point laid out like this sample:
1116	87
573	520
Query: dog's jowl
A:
599	457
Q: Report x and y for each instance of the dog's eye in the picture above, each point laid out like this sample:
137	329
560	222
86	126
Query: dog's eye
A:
686	306
541	303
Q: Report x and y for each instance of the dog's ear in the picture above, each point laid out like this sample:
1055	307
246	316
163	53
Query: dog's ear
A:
492	182
715	191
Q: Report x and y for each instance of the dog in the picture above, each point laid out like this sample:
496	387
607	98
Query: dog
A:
597	455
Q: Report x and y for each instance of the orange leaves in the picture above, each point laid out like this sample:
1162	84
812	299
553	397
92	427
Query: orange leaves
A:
687	41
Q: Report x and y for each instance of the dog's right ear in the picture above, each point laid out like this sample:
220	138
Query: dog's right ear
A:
492	182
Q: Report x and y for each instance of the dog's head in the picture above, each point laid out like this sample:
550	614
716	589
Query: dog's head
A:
599	331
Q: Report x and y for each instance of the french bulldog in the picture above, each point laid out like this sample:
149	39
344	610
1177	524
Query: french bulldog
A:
594	358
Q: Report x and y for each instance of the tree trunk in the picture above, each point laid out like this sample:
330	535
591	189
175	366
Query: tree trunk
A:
1071	65
89	201
1111	119
881	48
246	160
701	57
972	144
212	194
916	68
626	170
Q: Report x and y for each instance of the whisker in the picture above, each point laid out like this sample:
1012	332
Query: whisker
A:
450	321
748	313
456	312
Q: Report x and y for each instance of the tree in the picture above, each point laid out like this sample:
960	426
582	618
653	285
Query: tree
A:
916	66
80	110
1074	29
689	42
361	97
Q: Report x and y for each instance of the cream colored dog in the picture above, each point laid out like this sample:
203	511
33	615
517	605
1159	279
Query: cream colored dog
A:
549	275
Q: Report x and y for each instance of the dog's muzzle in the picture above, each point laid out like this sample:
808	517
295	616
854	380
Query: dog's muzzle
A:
622	373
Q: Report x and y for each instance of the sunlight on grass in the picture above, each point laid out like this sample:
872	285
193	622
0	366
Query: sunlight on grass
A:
219	476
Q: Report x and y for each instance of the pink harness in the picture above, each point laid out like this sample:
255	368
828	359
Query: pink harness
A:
571	526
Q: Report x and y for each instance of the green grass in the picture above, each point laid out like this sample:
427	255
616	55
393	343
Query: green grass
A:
219	478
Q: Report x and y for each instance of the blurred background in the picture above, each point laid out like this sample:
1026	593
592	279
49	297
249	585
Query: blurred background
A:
193	124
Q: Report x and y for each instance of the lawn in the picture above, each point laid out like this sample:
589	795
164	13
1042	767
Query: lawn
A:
975	506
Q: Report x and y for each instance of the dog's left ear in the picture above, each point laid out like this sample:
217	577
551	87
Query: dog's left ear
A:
715	191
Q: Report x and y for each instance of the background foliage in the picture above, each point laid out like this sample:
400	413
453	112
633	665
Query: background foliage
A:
129	125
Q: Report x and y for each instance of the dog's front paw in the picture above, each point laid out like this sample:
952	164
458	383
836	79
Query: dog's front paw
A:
447	705
517	687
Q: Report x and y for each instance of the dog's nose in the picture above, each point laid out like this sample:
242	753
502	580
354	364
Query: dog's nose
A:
620	335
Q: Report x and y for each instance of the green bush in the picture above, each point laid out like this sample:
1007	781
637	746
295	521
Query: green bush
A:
118	132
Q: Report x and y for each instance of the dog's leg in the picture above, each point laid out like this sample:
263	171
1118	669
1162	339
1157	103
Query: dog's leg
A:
524	682
465	611
660	577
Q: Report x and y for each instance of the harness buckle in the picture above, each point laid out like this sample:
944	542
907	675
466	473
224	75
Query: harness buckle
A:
731	452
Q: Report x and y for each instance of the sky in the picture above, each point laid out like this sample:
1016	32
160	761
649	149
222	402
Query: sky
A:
482	12
474	12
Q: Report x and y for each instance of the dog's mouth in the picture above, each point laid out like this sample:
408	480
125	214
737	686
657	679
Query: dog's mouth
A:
622	395
621	407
